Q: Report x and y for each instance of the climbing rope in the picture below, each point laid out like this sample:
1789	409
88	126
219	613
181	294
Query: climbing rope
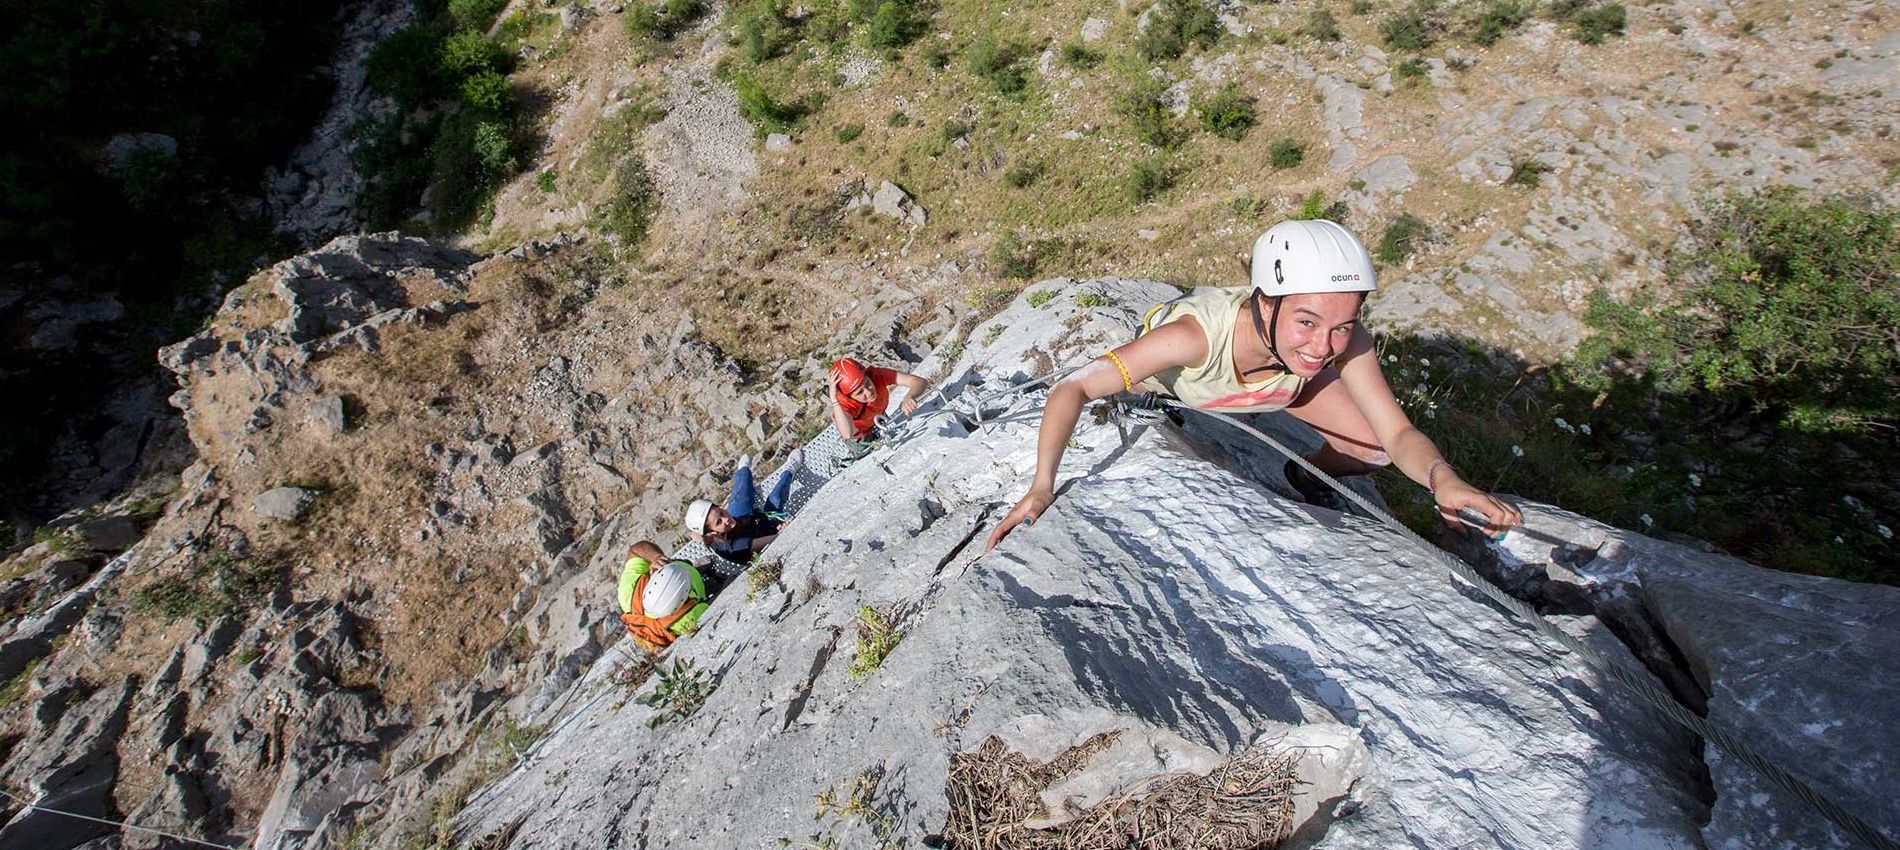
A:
1648	691
118	823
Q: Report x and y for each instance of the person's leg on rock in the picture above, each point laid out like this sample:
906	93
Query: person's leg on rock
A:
739	502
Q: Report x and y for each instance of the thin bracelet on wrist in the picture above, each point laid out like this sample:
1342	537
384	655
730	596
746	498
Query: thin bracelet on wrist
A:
1431	475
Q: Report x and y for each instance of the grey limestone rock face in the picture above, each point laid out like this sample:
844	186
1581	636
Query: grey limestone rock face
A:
1166	594
73	768
1804	669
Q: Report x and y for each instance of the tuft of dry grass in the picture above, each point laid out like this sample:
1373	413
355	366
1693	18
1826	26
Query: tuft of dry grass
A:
1246	802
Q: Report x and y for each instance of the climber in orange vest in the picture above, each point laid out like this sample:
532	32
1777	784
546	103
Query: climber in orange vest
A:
660	600
860	394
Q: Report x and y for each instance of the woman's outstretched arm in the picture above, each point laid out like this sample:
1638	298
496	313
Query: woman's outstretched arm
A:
1411	451
1178	343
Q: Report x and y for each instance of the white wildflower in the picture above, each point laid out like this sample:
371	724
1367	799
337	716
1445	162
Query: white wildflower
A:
1391	358
1885	532
1424	361
1517	451
1585	428
1562	425
1647	520
1695	480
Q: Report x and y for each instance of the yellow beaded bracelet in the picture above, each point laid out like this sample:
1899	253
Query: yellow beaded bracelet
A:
1127	383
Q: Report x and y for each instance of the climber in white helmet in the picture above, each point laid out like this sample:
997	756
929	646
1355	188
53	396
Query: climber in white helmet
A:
1292	341
660	600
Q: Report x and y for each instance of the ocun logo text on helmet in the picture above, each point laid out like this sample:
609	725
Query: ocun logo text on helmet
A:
1340	277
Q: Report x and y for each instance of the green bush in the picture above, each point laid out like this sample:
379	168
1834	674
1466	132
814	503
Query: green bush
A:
894	24
665	19
1321	25
1285	153
937	55
767	114
1312	207
1597	24
494	150
475	14
1412	29
1145	106
1409	70
1148	178
1175	27
1080	56
764	31
849	133
630	210
1249	207
1000	62
1404	236
545	181
489	92
1497	19
1228	114
1792	309
468	52
407	65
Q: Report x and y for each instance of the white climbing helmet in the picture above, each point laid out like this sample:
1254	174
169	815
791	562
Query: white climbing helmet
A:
696	514
667	590
1310	256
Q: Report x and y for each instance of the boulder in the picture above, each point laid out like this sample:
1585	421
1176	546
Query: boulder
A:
110	534
890	200
327	416
285	503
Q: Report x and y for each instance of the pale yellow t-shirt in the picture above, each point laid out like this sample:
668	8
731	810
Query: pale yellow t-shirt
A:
1215	384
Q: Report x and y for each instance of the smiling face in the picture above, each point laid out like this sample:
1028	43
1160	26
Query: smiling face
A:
1314	328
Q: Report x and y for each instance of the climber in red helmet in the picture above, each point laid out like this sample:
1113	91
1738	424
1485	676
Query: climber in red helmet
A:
859	395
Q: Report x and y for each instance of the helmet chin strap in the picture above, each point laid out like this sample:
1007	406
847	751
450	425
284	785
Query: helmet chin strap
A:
1268	332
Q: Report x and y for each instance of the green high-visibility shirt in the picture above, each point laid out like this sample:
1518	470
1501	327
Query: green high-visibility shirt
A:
630	578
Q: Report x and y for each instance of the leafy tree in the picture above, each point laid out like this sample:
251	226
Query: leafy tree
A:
1228	114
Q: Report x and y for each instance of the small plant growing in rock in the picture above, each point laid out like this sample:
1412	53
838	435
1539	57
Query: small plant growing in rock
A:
1404	236
1092	300
849	133
877	636
762	575
1410	70
680	693
1229	114
545	181
1285	153
1039	298
1526	172
990	335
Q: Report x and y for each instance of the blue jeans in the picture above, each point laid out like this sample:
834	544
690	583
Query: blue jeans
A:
739	504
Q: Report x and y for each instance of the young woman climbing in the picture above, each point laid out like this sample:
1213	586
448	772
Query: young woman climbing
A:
860	394
1292	341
